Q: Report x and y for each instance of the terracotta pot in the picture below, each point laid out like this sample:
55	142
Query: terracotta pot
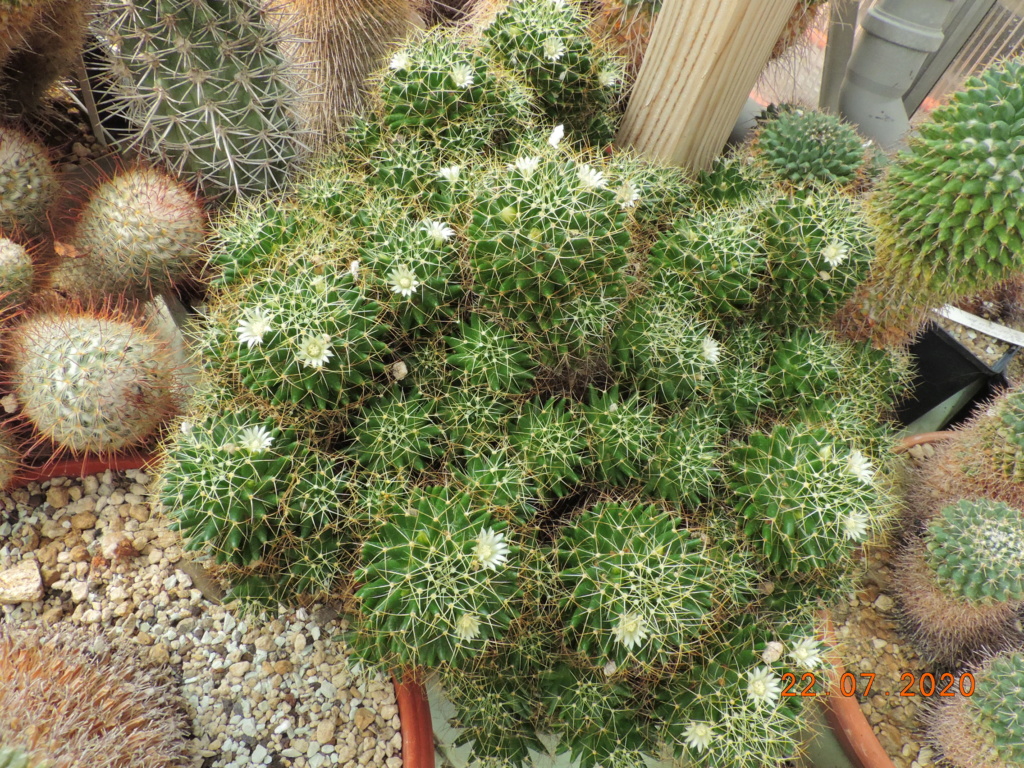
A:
88	465
844	716
907	443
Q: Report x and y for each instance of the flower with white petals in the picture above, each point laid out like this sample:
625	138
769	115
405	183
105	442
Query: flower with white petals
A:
711	350
763	686
772	652
526	165
462	75
186	427
608	78
554	48
631	630
403	280
314	350
451	173
590	178
491	550
835	253
858	465
855	526
399	61
253	327
438	231
556	135
699	735
353	269
806	654
467	626
626	195
255	439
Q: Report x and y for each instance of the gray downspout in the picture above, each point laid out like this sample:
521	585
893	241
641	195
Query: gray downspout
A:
898	36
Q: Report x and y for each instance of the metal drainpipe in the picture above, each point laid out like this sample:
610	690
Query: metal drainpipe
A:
898	36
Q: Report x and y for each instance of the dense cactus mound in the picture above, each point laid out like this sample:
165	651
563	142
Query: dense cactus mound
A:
512	389
981	728
947	210
28	182
804	148
67	701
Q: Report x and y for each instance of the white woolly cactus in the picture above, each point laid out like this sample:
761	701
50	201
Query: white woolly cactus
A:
17	275
91	382
28	182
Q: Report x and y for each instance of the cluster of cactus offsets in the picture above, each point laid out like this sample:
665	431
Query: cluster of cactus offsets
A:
138	233
961	583
28	182
545	441
981	726
68	700
806	148
948	209
807	500
91	382
206	90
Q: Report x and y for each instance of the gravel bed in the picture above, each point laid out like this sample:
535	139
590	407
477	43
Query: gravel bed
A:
870	643
276	692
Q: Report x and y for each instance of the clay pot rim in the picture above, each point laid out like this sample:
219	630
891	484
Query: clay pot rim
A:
910	441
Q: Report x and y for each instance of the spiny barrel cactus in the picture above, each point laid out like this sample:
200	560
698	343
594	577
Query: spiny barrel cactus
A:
138	233
90	382
17	275
961	582
28	182
621	432
807	148
947	209
206	88
64	702
981	727
807	500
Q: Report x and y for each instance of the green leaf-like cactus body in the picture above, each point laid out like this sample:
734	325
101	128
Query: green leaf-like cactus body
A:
490	357
684	463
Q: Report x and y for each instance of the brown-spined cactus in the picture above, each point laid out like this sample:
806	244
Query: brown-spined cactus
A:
71	701
28	182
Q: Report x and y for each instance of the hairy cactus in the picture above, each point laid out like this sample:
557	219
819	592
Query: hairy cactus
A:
28	183
67	700
17	275
807	501
637	589
628	24
138	233
981	726
440	580
91	383
961	583
946	210
206	89
806	148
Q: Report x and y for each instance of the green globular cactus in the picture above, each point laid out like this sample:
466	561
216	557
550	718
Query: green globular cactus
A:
667	352
1000	438
548	44
684	461
621	433
981	726
712	260
546	230
498	478
947	210
439	581
731	180
91	383
17	275
395	431
743	388
28	182
819	246
488	356
225	478
308	336
206	89
961	583
250	236
551	440
806	148
807	500
138	233
472	417
637	588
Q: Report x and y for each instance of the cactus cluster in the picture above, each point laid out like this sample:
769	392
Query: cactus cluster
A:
520	387
806	148
28	182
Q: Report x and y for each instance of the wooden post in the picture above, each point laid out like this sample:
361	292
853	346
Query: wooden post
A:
701	64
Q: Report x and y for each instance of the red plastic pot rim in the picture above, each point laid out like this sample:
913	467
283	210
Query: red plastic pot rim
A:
417	727
80	467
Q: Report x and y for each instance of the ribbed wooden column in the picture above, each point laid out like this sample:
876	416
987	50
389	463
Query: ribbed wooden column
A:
701	64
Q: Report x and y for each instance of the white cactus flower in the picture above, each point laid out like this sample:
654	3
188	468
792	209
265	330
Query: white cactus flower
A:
491	550
855	526
526	165
608	78
450	173
255	439
835	253
806	653
699	735
631	630
438	231
462	75
314	350
353	269
626	195
554	48
711	350
590	178
556	135
763	686
399	61
403	280
467	626
253	326
858	465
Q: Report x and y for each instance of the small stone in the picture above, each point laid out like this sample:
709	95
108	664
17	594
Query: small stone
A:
79	591
159	654
388	711
239	668
79	554
283	667
83	521
363	718
92	616
21	584
58	497
51	529
139	512
299	643
884	603
80	149
259	754
144	638
325	731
